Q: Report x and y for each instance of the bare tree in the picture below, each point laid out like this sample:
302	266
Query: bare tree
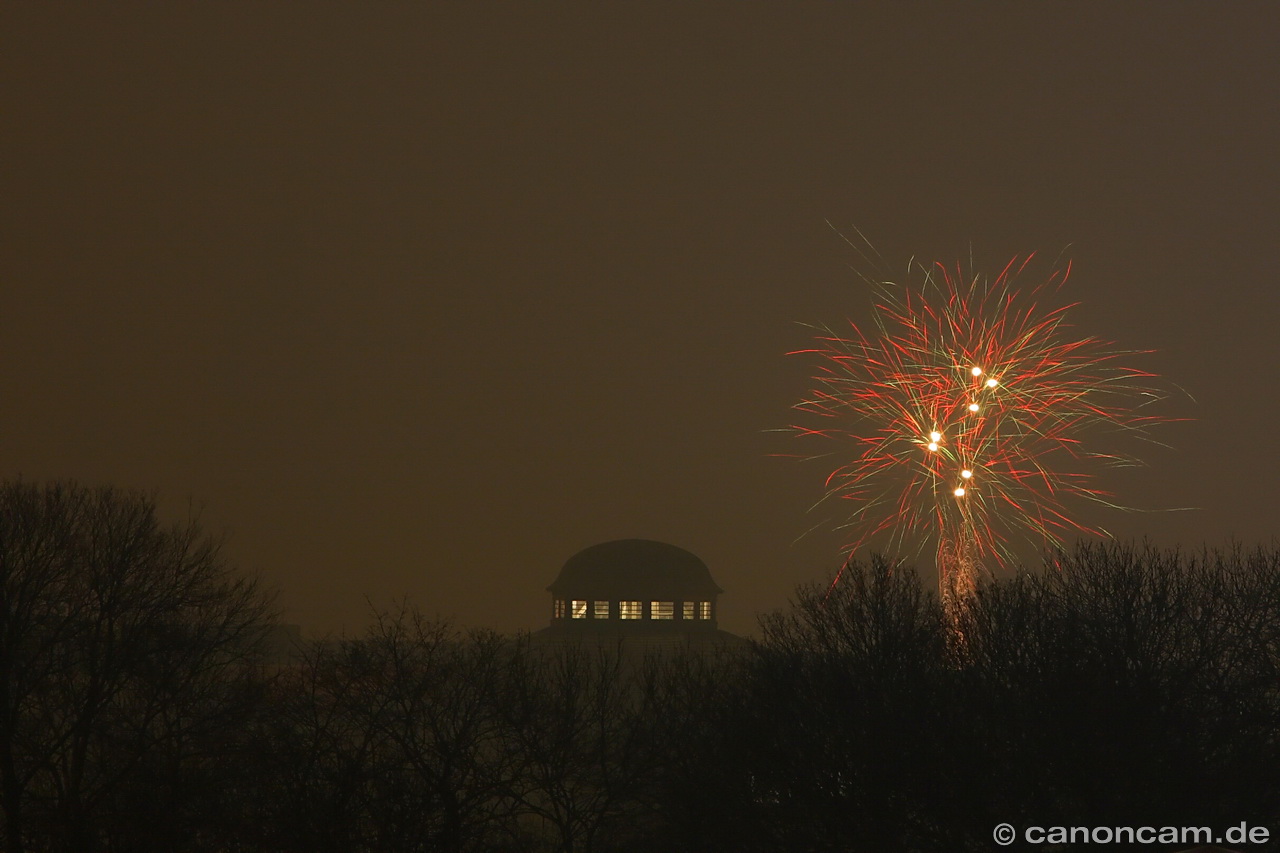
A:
391	742
1130	683
126	648
844	708
1120	684
582	723
441	765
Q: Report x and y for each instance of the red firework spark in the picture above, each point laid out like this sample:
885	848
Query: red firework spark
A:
970	412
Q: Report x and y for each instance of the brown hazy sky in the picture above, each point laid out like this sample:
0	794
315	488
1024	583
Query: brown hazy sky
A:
423	298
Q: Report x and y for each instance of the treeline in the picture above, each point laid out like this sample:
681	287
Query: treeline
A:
1121	686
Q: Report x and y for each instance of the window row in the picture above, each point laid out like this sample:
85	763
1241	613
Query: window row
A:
580	609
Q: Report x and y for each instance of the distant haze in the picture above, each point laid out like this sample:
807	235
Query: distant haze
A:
423	299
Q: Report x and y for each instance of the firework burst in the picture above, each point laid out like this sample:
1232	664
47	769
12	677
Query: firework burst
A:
966	419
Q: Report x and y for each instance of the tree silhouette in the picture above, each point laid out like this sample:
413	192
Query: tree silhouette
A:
1119	686
127	649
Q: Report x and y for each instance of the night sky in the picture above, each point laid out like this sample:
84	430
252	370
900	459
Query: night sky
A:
424	298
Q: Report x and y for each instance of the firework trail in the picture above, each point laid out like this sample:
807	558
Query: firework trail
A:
965	419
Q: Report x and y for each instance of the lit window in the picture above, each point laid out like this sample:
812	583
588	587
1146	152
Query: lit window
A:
629	609
559	608
602	610
704	609
662	609
579	610
688	610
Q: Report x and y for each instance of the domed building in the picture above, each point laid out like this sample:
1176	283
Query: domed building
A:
635	588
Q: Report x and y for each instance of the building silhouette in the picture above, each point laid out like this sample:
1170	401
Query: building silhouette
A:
636	589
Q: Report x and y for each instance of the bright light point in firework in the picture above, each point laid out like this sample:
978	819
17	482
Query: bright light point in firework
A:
966	473
977	371
933	445
973	407
935	436
991	383
960	491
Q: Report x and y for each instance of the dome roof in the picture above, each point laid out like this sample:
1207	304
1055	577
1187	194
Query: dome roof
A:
634	568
